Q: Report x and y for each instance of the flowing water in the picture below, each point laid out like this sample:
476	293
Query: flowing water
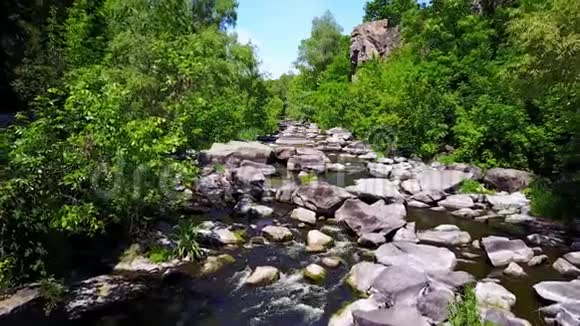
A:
222	299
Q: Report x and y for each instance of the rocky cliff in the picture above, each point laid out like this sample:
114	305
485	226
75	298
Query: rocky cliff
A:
373	39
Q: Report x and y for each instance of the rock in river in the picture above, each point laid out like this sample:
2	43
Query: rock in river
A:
494	295
263	275
314	273
320	197
509	180
395	316
378	217
445	235
317	241
375	189
362	276
573	257
442	180
304	215
420	257
502	251
455	202
237	151
561	292
565	268
277	233
515	270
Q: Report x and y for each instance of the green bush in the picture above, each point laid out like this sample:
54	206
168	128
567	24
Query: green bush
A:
52	292
470	186
186	238
465	311
160	254
554	201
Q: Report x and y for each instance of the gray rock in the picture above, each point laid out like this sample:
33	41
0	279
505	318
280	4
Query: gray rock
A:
450	280
573	257
455	202
518	219
474	170
379	170
371	240
509	180
331	262
411	186
237	151
277	233
284	193
100	292
429	196
266	169
494	295
368	156
378	217
304	215
19	302
314	273
434	305
248	175
508	202
362	275
467	213
317	241
375	39
561	292
417	256
565	268
357	148
538	260
502	317
385	160
283	153
442	180
515	270
375	189
309	163
335	167
394	316
400	285
263	275
339	133
417	204
214	190
445	236
406	234
400	174
344	316
320	197
502	251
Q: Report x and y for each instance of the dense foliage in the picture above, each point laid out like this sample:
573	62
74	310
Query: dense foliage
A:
120	90
498	82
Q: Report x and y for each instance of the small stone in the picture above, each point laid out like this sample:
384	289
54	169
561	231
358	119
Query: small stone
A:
304	215
417	204
317	241
538	260
331	262
315	273
515	270
277	233
565	268
214	263
263	275
476	244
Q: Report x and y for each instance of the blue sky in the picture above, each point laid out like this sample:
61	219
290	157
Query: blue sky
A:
276	27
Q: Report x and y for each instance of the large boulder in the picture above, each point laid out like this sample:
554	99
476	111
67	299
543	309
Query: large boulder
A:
235	152
339	133
502	251
434	304
510	180
18	303
400	285
566	268
418	256
373	40
357	148
304	215
344	316
214	190
375	189
317	241
406	233
320	197
378	217
445	235
442	180
504	201
362	276
284	193
395	316
561	292
309	163
455	202
494	295
429	197
266	169
380	170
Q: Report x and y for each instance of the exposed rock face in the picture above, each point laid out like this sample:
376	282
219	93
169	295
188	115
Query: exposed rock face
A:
19	301
320	197
502	251
442	180
394	316
455	202
374	189
373	40
420	257
363	274
214	189
510	180
494	295
237	151
344	316
378	217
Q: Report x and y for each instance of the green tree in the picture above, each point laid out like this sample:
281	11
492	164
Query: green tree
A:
393	10
318	51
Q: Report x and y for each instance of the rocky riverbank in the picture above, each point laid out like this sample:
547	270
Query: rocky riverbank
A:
343	216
